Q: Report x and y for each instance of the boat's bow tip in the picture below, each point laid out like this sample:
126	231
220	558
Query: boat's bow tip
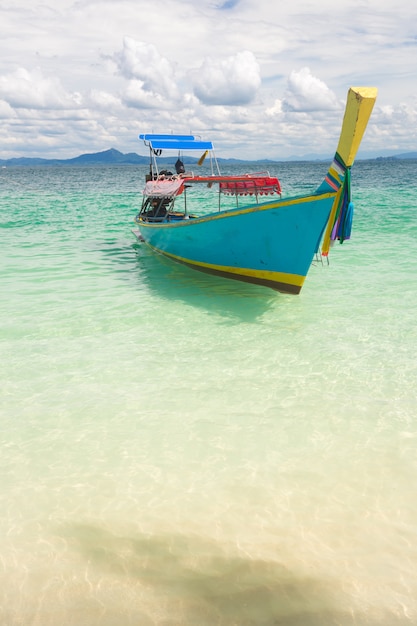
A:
365	92
359	105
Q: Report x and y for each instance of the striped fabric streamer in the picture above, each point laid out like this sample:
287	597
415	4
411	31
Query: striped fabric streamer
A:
335	176
343	225
339	225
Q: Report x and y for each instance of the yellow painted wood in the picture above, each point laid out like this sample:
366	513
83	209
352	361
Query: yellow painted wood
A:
359	105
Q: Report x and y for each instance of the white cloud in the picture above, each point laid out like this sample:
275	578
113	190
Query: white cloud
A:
306	92
105	101
137	95
231	81
269	79
6	111
31	90
157	83
153	75
275	110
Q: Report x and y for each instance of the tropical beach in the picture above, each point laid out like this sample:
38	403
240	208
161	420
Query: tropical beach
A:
179	448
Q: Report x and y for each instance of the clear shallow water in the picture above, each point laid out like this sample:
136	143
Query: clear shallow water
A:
178	449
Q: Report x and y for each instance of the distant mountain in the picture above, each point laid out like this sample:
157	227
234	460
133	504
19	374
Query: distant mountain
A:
114	157
111	156
108	157
406	155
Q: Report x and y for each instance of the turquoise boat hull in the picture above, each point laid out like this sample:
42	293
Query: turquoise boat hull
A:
270	244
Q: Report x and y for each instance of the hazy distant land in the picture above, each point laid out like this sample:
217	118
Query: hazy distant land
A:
114	157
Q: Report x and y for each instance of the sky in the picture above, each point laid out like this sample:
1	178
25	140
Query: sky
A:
260	78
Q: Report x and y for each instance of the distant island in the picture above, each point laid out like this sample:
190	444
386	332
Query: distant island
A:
108	157
114	157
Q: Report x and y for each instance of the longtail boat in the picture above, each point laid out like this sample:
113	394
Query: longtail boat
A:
251	233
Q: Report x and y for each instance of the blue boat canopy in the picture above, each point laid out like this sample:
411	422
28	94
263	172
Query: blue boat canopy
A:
150	137
175	142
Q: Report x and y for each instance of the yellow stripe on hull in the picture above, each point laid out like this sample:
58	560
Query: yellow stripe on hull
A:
287	283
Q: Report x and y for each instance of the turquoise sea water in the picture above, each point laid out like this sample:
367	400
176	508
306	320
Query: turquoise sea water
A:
178	449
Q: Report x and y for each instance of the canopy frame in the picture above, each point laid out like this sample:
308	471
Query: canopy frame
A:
177	144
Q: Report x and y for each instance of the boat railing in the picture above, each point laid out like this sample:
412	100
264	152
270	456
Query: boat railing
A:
166	187
258	185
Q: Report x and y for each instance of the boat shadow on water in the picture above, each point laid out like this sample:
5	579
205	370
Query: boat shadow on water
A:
195	580
154	275
230	299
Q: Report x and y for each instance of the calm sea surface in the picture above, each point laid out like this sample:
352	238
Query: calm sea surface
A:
182	450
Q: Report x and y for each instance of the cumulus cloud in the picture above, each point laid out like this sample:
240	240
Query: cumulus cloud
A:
93	78
152	76
275	110
31	90
104	101
231	81
154	82
305	92
138	96
6	111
